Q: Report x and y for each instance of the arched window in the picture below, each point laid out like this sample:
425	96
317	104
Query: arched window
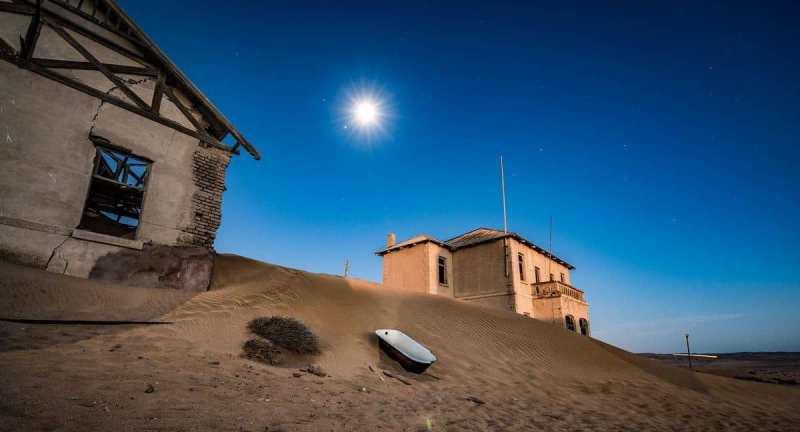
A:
584	325
570	322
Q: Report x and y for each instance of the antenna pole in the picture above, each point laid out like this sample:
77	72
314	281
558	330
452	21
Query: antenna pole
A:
503	192
688	351
550	252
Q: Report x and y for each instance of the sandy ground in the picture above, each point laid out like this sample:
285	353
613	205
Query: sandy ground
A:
530	375
769	367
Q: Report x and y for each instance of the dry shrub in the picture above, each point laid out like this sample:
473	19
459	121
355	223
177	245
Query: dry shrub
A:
287	333
263	351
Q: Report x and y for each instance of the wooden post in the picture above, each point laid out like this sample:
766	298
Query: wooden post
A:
688	351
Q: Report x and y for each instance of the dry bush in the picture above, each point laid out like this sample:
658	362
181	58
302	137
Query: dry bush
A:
287	333
263	351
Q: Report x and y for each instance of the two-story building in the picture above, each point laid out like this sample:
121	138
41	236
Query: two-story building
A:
490	267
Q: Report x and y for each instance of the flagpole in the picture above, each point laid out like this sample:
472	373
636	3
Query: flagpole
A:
503	192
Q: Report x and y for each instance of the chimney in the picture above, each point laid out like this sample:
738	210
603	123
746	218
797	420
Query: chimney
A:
391	240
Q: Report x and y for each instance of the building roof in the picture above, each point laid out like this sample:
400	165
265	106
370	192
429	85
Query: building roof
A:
183	82
473	238
94	20
413	241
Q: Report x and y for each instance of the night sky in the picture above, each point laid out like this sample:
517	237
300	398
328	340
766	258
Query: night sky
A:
661	138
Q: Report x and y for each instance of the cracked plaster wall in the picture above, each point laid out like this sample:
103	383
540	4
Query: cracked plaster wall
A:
46	161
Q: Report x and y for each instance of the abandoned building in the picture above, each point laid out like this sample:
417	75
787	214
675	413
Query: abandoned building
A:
107	148
491	267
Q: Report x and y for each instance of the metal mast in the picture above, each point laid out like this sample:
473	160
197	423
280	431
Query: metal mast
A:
503	192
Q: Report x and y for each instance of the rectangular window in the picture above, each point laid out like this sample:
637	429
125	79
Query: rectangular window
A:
551	277
442	270
536	274
116	192
562	277
521	264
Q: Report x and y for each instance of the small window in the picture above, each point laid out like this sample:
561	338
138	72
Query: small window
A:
521	264
116	193
584	325
562	278
551	277
537	274
570	322
442	270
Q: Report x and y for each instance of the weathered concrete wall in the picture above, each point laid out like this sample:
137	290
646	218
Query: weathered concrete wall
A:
480	269
504	301
46	157
554	309
521	285
408	269
46	160
434	287
546	266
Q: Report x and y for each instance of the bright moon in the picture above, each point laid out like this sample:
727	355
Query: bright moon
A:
365	112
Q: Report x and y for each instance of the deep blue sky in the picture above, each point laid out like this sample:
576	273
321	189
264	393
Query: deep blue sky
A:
662	139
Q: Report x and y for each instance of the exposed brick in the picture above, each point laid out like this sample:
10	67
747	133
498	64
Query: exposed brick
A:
208	172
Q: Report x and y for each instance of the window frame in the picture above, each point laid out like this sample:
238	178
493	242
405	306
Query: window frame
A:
583	326
441	266
521	266
101	144
569	319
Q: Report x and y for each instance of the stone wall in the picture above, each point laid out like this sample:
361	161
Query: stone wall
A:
157	266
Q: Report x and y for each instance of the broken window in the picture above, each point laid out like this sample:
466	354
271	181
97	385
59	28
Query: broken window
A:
570	322
521	262
584	325
116	192
442	270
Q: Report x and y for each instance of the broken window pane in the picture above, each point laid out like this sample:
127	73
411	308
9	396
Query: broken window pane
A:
116	192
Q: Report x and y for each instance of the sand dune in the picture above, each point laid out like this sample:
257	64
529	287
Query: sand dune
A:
531	375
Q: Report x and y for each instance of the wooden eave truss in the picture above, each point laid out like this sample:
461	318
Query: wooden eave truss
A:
211	130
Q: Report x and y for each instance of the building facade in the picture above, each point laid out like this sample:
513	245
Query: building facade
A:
492	268
107	147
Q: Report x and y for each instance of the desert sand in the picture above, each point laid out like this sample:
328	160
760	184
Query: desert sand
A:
769	367
496	370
